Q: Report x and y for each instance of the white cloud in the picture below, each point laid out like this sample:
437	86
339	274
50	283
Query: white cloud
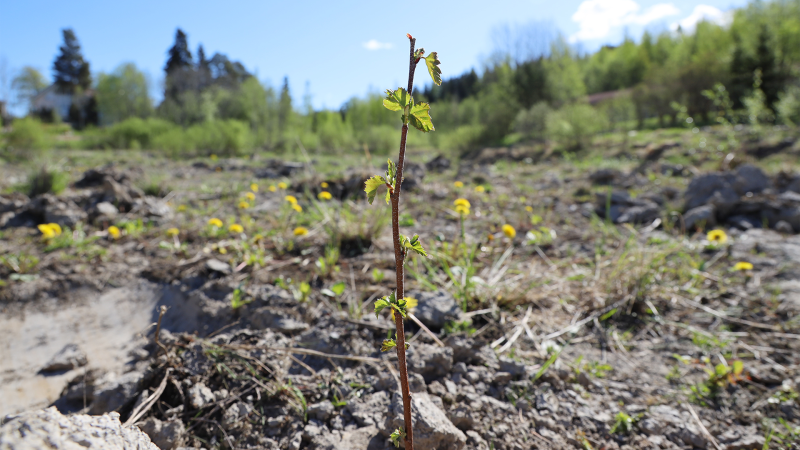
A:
374	44
596	18
701	13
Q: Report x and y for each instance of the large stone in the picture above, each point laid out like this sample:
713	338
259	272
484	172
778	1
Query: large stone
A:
702	215
432	428
369	410
49	429
430	361
283	321
113	392
199	396
749	178
436	308
471	351
367	438
166	435
711	188
750	442
68	358
645	213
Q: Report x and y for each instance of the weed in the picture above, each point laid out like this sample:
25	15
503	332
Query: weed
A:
237	300
327	263
623	423
378	275
47	180
465	326
21	263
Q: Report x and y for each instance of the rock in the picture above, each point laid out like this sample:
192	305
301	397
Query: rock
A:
68	358
743	222
464	417
413	174
651	426
113	392
439	163
49	429
747	443
416	383
166	435
199	396
216	265
711	188
502	378
702	215
430	361
475	441
432	428
515	368
606	176
436	308
471	351
367	438
66	214
105	209
321	410
690	435
666	413
640	214
236	412
783	226
370	409
749	178
151	207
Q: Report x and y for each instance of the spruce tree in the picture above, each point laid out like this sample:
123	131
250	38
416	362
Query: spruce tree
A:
179	55
70	70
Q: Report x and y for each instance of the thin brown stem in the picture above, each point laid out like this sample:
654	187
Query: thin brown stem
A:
399	258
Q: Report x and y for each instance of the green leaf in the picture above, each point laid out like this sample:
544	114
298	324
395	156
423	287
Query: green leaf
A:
738	368
420	117
432	61
388	344
338	288
380	304
397	435
413	244
608	314
371	187
396	100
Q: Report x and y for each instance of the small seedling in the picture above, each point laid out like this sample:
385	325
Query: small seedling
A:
336	290
237	300
378	275
623	423
417	114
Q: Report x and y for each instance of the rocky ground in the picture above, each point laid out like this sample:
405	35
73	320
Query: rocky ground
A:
611	319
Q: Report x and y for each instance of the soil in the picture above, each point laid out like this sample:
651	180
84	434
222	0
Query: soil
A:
574	333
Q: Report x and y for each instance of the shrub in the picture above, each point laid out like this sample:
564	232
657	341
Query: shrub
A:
788	106
26	134
47	180
574	125
531	122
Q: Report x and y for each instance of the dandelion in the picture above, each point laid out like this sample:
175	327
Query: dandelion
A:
56	228
411	302
258	238
181	208
254	187
272	188
47	231
297	207
213	157
243	205
291	199
114	232
509	231
222	250
283	185
529	208
172	232
742	265
325	195
214	222
250	196
462	202
300	231
717	236
323	185
523	199
480	189
235	228
462	210
458	184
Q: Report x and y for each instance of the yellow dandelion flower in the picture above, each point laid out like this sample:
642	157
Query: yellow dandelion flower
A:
243	205
300	231
272	188
462	202
222	250
173	232
411	303
114	232
480	189
463	210
283	185
717	236
254	187
258	238
297	207
523	199
291	199
509	231
250	196
214	222
529	208
458	184
213	157
236	228
47	232
323	185
742	265
56	228
325	195
181	208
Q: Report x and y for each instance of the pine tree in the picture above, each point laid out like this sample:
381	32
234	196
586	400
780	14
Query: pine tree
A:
70	70
179	55
284	106
203	68
771	78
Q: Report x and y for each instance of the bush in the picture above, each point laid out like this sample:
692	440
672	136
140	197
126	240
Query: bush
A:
788	106
136	133
26	134
574	125
47	180
531	122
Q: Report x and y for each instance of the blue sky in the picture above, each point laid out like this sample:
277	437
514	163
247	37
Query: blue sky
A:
338	49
